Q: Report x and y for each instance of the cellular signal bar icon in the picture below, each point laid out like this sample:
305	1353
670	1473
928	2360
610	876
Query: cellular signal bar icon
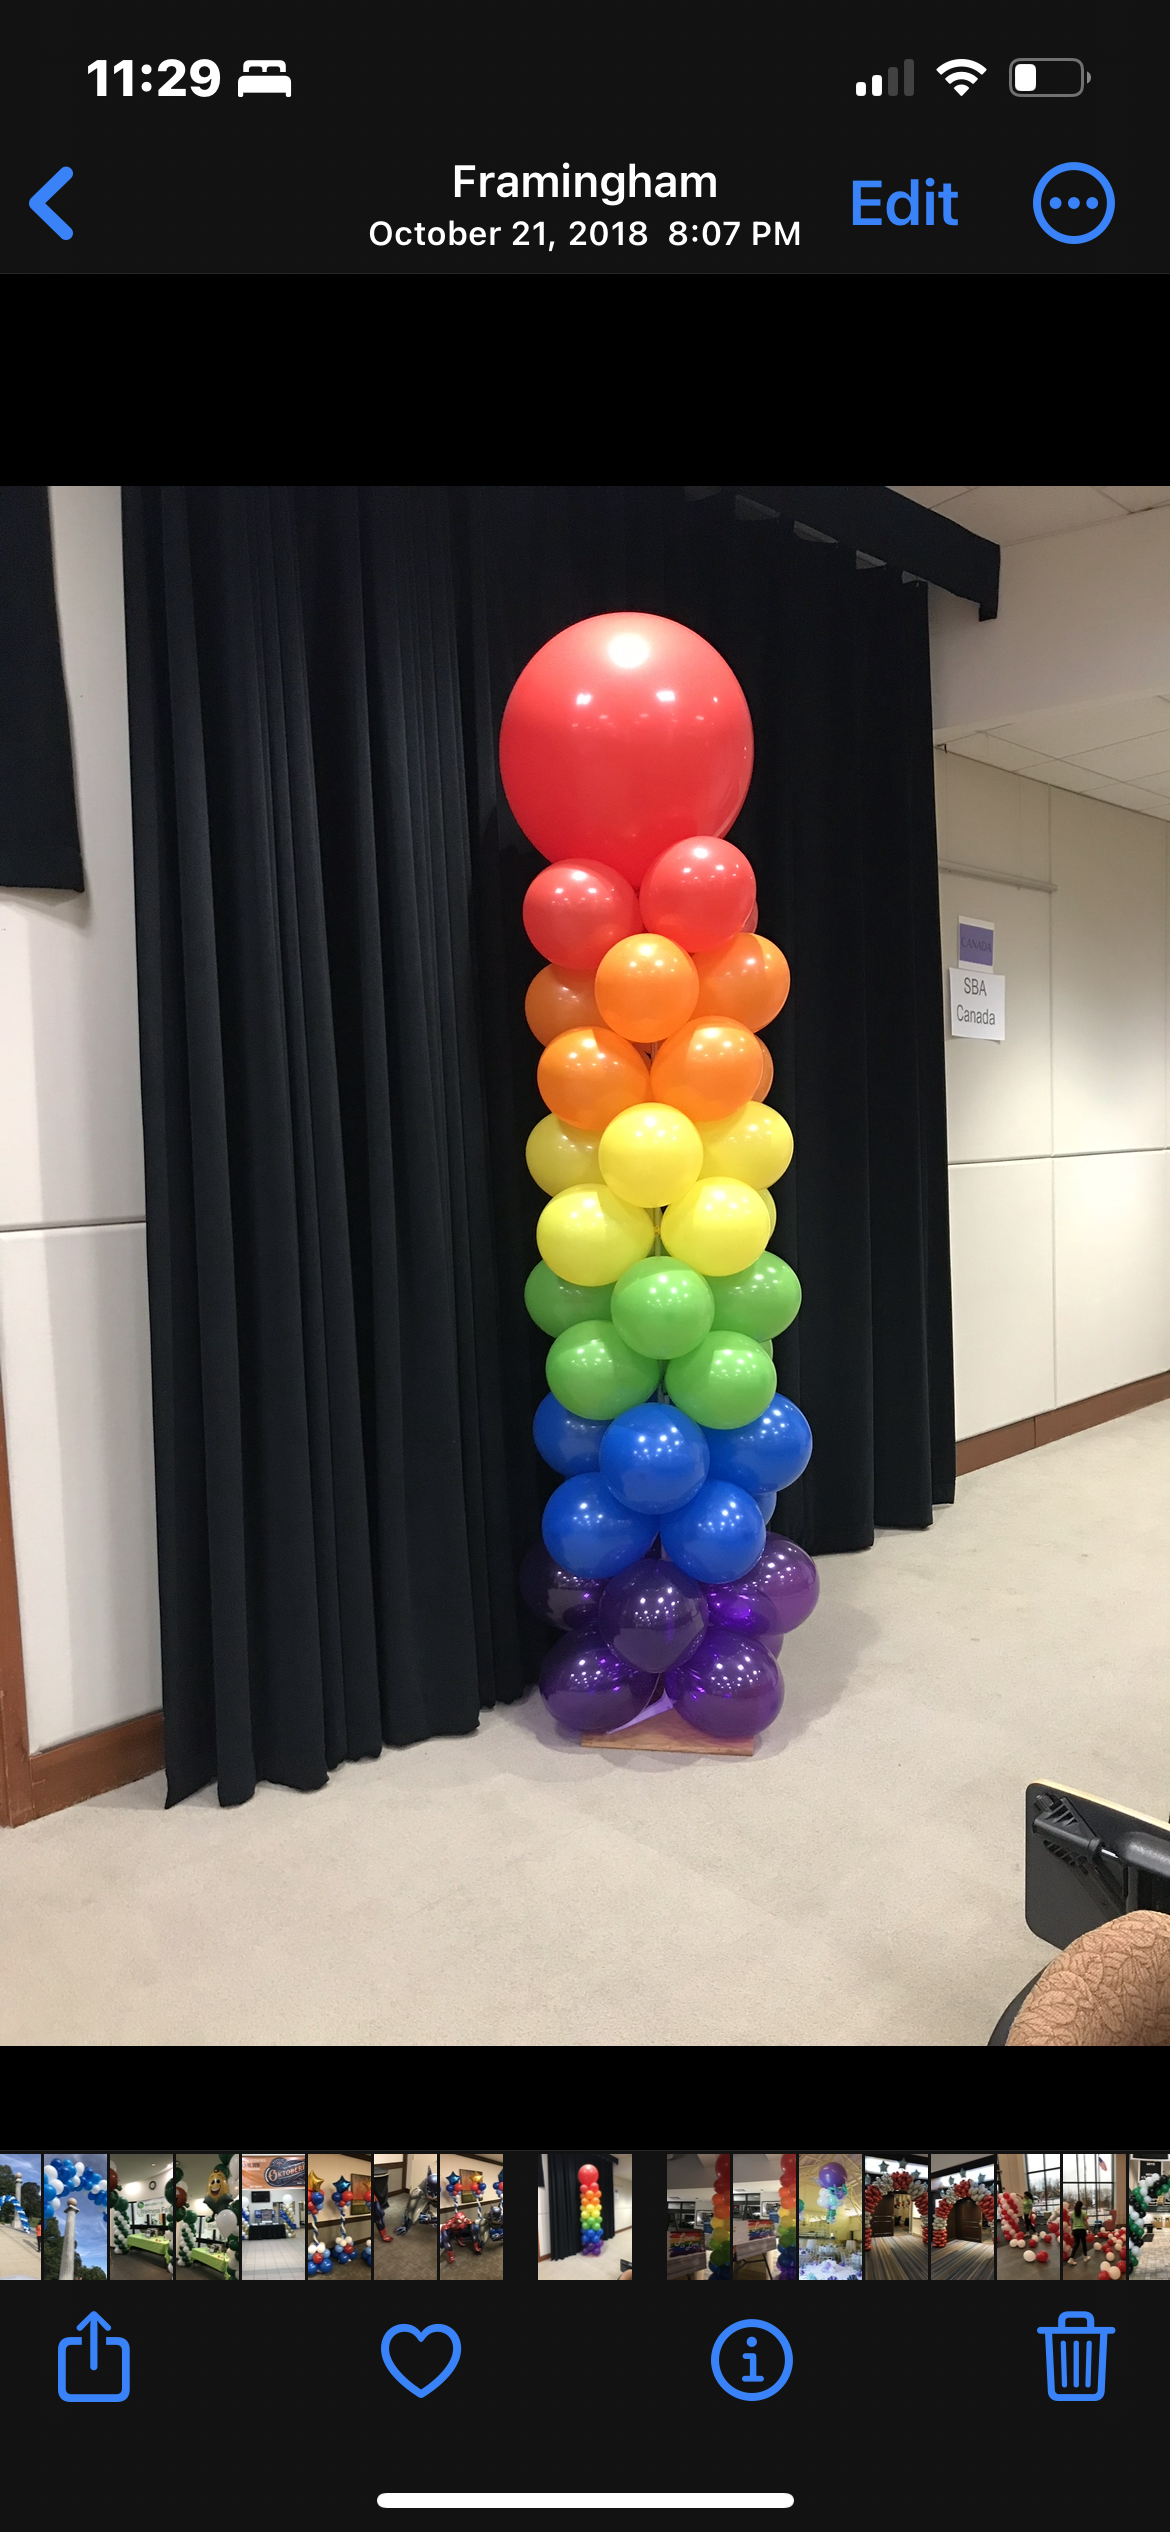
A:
885	84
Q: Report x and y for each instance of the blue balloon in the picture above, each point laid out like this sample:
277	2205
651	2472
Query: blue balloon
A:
588	1532
767	1504
770	1452
570	1443
717	1536
653	1458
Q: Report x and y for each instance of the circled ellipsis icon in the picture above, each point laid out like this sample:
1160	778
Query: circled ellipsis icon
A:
766	2390
1078	169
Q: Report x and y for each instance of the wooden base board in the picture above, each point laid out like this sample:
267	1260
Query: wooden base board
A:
667	1732
1054	1424
98	1762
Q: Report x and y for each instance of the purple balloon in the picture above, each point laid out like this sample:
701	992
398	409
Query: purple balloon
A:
589	1688
729	1685
652	1614
569	1600
790	1580
744	1605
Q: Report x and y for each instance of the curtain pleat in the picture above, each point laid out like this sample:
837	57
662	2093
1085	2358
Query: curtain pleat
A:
338	1081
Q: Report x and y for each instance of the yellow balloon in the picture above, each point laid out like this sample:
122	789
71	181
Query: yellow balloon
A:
588	1236
718	1227
770	1201
560	1156
753	1143
650	1154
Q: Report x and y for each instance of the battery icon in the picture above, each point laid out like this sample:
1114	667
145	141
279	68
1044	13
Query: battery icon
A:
1057	75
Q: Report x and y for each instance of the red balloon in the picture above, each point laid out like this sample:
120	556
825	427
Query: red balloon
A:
575	911
622	734
698	892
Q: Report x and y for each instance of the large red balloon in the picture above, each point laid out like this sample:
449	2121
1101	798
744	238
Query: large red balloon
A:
698	892
624	733
575	911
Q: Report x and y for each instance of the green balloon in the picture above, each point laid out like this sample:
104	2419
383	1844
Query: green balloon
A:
662	1308
594	1373
762	1301
727	1380
556	1305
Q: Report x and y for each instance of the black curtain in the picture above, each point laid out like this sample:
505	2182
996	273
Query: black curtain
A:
39	842
564	2199
338	1080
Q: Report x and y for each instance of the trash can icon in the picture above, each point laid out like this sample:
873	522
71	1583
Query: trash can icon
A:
1076	2352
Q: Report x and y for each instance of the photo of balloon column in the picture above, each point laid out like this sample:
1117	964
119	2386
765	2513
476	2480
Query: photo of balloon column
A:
625	755
897	2217
830	2220
698	2218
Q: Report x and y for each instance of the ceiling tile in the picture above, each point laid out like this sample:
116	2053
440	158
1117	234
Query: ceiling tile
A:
1131	759
1123	795
991	749
1087	725
1012	513
1158	785
1137	496
928	494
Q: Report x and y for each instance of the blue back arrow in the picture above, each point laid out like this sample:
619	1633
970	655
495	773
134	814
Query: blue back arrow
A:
39	202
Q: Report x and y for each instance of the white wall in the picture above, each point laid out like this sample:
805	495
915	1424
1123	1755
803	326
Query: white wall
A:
74	1342
1060	1231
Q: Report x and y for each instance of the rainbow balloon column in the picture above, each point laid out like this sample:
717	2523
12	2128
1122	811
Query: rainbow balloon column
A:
625	754
719	2255
787	2265
592	2237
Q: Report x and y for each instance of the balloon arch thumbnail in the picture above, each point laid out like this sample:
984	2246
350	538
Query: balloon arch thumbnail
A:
625	755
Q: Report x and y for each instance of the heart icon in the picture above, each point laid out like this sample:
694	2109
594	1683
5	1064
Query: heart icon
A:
420	2390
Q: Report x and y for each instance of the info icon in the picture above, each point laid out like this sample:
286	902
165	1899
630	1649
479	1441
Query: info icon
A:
751	2360
1073	202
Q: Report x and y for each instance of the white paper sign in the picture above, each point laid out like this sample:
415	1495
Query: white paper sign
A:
976	1003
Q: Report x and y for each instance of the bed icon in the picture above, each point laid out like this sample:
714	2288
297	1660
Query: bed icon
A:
1078	2371
264	79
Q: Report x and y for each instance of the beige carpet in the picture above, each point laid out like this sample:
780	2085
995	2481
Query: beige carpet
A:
860	1880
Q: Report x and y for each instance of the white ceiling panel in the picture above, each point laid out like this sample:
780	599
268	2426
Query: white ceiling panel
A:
1012	513
1082	726
1131	759
1137	496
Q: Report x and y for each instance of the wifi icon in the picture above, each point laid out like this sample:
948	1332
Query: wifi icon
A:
961	75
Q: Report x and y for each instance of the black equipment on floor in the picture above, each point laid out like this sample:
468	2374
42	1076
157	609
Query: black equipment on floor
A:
1085	1862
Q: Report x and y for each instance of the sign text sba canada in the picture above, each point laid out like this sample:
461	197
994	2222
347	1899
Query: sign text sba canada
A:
977	998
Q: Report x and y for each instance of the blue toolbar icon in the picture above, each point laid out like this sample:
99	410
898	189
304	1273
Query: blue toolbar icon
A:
1076	2350
1074	202
752	2385
93	2322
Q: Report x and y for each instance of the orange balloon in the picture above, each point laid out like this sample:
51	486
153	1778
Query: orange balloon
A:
746	979
559	998
589	1075
767	1075
706	1069
646	986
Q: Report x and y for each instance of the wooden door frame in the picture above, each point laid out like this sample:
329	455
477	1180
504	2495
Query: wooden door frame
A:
16	1789
33	1784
